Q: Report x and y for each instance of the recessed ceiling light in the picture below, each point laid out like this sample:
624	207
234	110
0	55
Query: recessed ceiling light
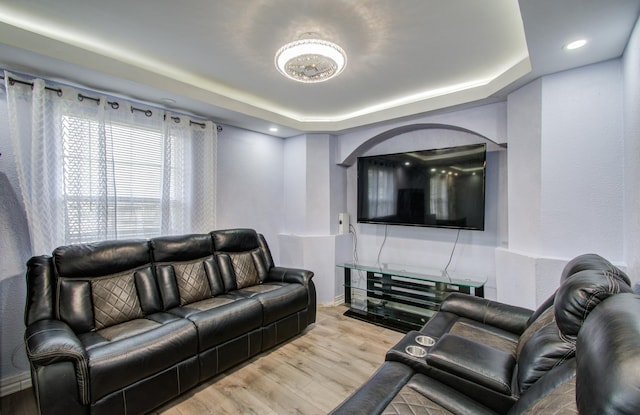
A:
273	129
576	44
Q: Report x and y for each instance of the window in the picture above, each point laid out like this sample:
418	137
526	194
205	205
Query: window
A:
112	180
98	169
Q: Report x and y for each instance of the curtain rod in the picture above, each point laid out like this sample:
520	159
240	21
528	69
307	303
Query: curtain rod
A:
113	104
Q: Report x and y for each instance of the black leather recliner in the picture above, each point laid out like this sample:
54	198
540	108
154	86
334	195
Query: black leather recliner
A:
124	326
497	378
500	325
602	378
464	376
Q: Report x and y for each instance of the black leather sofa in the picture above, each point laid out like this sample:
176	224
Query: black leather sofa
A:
121	327
576	354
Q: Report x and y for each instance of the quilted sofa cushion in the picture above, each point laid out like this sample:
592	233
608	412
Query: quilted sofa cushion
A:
192	280
241	269
408	401
187	271
244	261
97	284
115	300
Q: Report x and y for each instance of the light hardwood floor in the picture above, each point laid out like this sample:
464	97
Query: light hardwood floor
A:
310	374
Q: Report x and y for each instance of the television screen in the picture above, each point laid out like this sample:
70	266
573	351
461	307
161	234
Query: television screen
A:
439	188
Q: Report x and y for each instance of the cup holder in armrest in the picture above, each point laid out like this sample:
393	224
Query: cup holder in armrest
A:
426	341
415	351
410	352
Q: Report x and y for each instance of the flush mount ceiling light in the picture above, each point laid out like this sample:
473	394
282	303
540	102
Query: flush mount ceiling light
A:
310	60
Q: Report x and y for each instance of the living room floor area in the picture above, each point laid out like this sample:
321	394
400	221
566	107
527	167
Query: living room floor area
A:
310	374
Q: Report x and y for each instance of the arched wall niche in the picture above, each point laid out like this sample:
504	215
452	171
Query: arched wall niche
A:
393	132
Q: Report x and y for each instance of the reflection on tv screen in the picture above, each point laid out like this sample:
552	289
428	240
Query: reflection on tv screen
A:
440	188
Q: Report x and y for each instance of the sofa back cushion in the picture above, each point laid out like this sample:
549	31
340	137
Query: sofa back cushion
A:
41	289
97	283
192	280
186	282
186	269
544	319
546	349
241	269
242	256
608	372
554	343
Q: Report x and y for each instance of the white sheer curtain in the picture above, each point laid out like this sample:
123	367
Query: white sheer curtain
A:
93	168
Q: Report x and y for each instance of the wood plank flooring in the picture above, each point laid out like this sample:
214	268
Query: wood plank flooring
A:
311	374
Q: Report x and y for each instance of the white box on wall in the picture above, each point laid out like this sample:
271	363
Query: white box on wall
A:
343	223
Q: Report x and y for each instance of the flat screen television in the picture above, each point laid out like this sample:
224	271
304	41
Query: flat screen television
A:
442	188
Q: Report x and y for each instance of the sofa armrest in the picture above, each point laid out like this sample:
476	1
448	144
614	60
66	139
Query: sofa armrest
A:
504	316
374	396
52	341
283	274
483	365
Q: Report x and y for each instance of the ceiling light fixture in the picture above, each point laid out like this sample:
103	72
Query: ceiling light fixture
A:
310	60
576	44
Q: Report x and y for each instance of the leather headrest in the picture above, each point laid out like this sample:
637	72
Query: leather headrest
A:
181	248
235	240
580	294
591	261
580	263
100	258
608	358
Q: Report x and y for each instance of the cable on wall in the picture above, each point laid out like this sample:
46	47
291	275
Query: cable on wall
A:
382	245
444	272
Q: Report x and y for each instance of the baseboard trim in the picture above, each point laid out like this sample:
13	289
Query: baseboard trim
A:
336	301
15	383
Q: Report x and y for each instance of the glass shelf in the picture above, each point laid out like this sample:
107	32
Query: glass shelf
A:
421	273
399	297
390	314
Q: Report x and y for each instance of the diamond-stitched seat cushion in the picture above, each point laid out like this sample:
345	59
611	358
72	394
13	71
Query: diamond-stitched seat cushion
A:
115	300
410	402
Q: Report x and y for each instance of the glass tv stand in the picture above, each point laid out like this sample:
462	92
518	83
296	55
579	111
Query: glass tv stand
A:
400	297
